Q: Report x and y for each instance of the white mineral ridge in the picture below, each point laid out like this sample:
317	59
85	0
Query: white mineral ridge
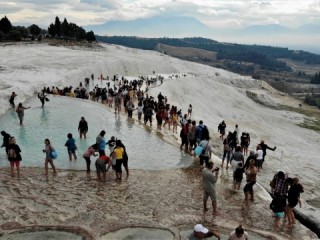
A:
215	95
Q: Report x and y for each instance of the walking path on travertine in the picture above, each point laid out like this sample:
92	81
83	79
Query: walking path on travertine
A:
162	199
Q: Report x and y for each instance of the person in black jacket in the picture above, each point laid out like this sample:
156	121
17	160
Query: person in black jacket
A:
264	148
14	156
6	138
293	199
83	127
222	129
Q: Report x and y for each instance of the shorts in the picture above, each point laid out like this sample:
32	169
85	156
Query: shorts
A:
249	187
279	214
212	195
72	151
148	118
292	204
259	163
119	165
192	142
101	166
184	140
17	163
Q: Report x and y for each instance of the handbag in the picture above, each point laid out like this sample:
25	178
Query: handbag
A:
198	150
54	154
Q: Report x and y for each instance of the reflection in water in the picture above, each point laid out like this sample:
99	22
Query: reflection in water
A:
44	115
118	122
22	133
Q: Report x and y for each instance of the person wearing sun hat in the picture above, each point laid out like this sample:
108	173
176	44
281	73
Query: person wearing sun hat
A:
200	232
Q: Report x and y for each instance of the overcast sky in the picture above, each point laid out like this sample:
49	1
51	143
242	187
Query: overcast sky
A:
213	13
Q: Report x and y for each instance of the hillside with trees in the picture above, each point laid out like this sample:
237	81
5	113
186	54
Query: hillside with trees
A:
264	56
58	30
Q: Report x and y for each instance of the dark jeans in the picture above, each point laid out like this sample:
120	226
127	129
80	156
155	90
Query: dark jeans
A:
88	161
204	159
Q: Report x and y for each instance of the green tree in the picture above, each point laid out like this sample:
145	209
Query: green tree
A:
80	33
90	36
2	36
52	30
5	25
34	30
57	25
23	30
14	35
315	79
64	28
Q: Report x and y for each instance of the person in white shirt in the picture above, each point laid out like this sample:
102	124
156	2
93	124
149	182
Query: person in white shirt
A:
238	234
259	158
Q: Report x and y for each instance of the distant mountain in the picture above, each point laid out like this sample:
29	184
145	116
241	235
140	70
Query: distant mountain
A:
176	26
309	29
266	29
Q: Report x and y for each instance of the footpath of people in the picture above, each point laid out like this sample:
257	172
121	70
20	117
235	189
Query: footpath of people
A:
131	97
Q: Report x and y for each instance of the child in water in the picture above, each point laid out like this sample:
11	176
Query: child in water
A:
71	146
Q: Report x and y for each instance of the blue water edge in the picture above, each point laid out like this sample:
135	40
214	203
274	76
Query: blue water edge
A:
61	115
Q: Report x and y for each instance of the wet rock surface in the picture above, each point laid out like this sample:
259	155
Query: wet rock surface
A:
77	202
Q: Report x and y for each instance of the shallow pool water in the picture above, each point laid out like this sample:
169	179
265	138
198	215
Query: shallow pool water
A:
139	234
61	116
43	235
185	234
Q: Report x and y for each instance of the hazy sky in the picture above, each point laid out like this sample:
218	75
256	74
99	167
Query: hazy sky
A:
214	13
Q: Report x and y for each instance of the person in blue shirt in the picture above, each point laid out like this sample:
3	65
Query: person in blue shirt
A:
101	142
71	146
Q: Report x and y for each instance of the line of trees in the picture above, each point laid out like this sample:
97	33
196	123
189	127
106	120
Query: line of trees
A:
17	33
57	30
67	30
315	79
312	100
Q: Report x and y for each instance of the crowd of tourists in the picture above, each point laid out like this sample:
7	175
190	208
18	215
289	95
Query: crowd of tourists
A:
193	135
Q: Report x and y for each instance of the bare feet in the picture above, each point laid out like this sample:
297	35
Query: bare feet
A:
216	213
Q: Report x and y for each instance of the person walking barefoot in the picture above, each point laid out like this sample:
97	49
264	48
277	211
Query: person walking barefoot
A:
71	145
251	174
20	111
48	148
14	156
210	177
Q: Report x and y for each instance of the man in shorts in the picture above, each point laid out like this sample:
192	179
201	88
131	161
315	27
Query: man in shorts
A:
210	176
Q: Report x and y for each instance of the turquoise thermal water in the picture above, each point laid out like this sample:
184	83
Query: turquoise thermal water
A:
61	116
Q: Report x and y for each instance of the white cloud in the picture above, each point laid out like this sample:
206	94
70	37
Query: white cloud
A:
215	13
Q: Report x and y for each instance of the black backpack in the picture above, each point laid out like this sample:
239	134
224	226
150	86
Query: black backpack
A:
205	133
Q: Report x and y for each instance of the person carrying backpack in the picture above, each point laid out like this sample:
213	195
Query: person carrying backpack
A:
14	156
